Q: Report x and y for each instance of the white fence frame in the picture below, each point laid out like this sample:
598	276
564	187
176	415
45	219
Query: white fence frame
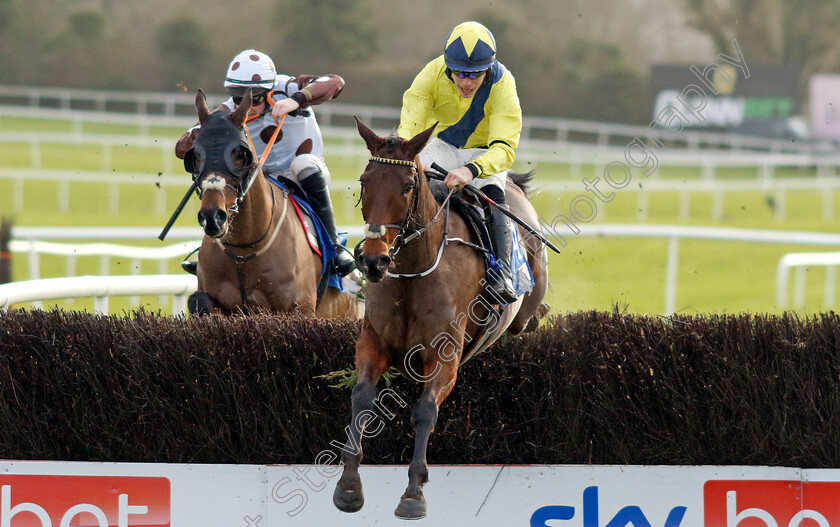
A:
800	262
531	149
779	187
171	106
101	288
673	233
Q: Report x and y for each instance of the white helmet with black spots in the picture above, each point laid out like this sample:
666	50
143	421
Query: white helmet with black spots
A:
250	69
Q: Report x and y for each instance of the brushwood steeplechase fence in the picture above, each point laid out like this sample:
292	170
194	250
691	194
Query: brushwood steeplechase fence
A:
586	387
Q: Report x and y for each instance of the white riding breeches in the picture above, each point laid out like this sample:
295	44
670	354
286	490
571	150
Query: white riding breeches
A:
306	165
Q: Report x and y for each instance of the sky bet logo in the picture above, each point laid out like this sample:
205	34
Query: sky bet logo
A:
737	503
96	501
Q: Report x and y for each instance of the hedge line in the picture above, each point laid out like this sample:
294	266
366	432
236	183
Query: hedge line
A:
589	387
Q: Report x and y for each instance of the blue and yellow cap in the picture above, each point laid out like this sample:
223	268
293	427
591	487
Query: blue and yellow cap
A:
469	47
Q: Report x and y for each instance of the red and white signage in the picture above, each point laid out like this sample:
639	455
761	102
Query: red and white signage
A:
101	501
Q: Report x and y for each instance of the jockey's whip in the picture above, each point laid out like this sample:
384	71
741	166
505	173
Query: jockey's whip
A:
194	185
481	195
178	210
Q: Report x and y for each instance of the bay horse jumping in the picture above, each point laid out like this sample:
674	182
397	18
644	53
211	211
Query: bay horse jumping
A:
255	254
426	304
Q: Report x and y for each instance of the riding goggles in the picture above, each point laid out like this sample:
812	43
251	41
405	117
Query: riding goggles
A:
256	100
469	74
258	94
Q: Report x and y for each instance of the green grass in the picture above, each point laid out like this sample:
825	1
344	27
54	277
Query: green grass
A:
591	273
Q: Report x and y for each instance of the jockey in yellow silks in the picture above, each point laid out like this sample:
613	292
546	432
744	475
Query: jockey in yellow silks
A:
473	98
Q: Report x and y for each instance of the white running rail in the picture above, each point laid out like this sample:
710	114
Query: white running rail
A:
101	288
801	262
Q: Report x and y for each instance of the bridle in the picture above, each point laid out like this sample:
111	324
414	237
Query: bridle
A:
406	233
245	174
209	160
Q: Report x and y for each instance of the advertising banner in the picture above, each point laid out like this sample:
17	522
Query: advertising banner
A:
726	96
43	494
825	106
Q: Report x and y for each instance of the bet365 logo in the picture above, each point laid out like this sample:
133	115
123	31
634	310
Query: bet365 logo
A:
98	501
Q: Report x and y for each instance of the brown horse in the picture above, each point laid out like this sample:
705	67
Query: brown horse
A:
255	254
426	301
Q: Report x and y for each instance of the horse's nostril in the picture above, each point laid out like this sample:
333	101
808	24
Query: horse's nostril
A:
361	264
220	216
384	262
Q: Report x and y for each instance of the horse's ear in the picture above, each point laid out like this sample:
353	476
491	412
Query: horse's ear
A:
241	112
416	143
373	141
201	106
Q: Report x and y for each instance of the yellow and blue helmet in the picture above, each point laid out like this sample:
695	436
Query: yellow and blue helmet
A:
469	47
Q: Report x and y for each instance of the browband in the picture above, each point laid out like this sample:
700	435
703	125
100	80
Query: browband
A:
391	161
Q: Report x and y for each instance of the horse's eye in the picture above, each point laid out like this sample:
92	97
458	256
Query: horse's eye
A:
408	188
239	158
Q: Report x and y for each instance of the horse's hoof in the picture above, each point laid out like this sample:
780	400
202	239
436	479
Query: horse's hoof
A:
348	500
411	509
190	267
532	324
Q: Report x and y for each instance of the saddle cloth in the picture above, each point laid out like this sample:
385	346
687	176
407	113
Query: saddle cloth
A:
316	233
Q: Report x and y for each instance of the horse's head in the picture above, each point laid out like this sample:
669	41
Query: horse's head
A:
390	192
221	161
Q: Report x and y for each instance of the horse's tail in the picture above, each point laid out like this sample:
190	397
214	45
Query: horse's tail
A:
523	181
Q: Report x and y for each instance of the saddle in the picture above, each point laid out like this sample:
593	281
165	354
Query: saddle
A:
475	215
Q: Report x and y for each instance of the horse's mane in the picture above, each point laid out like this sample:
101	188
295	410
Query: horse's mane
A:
523	181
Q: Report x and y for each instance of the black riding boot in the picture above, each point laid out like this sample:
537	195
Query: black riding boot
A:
319	198
501	283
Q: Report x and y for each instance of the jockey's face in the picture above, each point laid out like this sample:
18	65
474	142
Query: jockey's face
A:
467	86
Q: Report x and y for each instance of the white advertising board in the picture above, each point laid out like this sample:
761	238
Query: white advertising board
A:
824	97
39	494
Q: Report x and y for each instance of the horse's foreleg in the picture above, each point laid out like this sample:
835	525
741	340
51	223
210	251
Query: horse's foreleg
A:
200	303
371	363
424	416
